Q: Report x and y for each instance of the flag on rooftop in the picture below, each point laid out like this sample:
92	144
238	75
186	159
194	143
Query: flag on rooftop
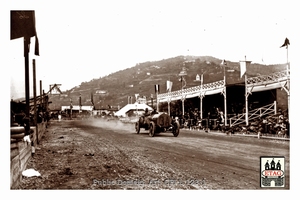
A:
286	43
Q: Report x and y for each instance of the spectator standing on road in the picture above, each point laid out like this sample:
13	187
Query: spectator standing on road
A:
221	120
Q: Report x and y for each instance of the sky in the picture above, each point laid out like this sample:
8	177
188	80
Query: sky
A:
83	40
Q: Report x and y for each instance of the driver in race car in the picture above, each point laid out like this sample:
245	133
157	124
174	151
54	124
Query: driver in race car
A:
146	113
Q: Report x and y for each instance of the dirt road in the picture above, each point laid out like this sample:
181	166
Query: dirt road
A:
101	154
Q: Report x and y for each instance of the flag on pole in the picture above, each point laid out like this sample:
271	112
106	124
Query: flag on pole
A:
169	86
136	96
243	67
156	87
183	80
286	43
223	62
199	78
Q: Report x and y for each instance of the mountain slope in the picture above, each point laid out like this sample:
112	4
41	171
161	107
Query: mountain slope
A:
115	88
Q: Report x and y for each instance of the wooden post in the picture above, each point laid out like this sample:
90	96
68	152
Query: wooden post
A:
246	101
182	99
151	96
44	100
41	94
225	107
27	109
169	108
34	98
246	89
157	102
71	108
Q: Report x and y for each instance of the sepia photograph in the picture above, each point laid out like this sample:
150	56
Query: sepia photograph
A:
152	96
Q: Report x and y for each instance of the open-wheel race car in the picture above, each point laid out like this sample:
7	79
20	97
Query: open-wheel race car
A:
157	123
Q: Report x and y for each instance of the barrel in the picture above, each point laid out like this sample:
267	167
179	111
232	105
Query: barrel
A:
17	132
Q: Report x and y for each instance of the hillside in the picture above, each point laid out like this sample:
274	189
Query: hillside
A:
115	88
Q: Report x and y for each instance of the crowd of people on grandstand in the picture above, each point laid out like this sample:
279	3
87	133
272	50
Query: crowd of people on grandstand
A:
215	120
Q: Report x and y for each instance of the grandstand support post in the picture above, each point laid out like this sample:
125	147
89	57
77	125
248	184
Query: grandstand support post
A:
41	93
225	106
181	75
157	103
198	78
275	108
169	101
71	106
246	101
201	102
201	96
288	86
246	63
182	107
225	99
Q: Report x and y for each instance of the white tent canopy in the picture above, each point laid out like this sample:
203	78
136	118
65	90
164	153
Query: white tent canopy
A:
136	106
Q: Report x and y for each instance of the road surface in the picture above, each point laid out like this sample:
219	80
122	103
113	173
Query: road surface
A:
108	154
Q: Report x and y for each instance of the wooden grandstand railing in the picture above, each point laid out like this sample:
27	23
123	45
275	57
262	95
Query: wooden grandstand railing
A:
191	90
253	114
265	79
